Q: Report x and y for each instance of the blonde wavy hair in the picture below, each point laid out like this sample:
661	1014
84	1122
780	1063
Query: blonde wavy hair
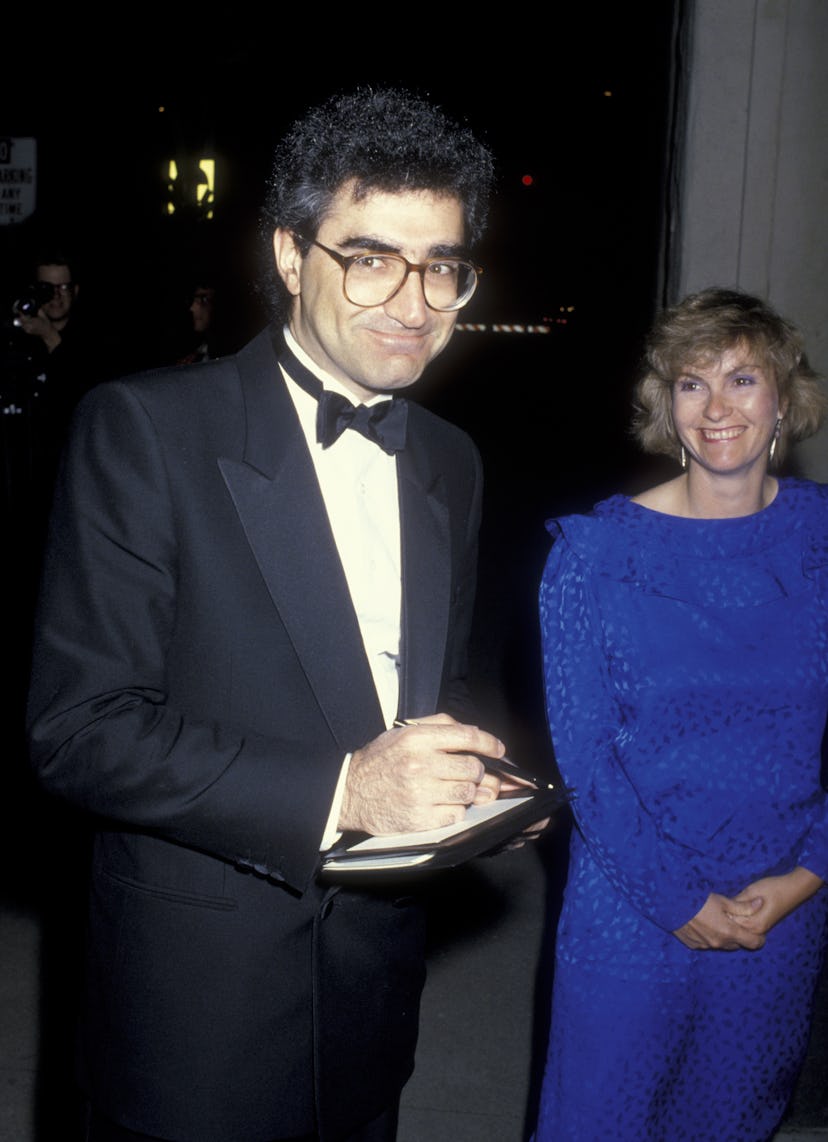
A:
697	332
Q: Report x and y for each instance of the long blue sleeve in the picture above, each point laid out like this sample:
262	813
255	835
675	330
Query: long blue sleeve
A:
658	875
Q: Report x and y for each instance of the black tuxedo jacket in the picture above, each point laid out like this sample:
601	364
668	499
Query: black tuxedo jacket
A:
199	676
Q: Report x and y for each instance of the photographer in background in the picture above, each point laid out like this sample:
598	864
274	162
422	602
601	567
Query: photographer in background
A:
54	356
51	321
45	362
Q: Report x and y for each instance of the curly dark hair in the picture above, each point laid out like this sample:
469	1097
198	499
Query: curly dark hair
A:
382	139
697	331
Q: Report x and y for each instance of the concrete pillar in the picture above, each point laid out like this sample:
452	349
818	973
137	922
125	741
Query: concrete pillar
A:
750	207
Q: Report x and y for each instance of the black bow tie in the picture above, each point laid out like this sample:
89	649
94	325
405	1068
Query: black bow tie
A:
383	423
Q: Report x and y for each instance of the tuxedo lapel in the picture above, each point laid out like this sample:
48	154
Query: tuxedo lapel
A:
276	494
426	576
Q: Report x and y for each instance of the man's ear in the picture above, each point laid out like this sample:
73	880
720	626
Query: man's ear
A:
288	260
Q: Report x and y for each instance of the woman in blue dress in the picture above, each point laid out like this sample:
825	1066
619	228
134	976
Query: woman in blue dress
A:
685	640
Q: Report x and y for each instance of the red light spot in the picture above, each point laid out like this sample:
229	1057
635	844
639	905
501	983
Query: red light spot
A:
527	180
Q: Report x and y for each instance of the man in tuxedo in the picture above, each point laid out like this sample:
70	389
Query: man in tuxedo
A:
256	567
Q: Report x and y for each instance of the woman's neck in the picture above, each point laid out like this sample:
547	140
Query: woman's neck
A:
711	495
698	494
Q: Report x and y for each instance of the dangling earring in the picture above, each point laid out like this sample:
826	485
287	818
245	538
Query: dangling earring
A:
776	434
683	457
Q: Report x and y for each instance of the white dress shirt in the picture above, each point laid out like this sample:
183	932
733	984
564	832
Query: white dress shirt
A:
358	482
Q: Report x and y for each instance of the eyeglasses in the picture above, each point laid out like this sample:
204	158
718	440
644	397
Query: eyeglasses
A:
372	279
59	287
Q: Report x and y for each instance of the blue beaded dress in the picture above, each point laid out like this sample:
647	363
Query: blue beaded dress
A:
686	672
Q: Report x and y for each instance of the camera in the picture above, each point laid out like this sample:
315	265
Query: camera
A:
34	298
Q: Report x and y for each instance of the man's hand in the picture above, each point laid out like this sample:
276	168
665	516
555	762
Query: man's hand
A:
39	325
720	924
419	777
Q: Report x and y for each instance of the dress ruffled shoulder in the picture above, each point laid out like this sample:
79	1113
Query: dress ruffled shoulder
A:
746	561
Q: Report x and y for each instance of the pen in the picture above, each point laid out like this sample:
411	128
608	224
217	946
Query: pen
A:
505	767
499	766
